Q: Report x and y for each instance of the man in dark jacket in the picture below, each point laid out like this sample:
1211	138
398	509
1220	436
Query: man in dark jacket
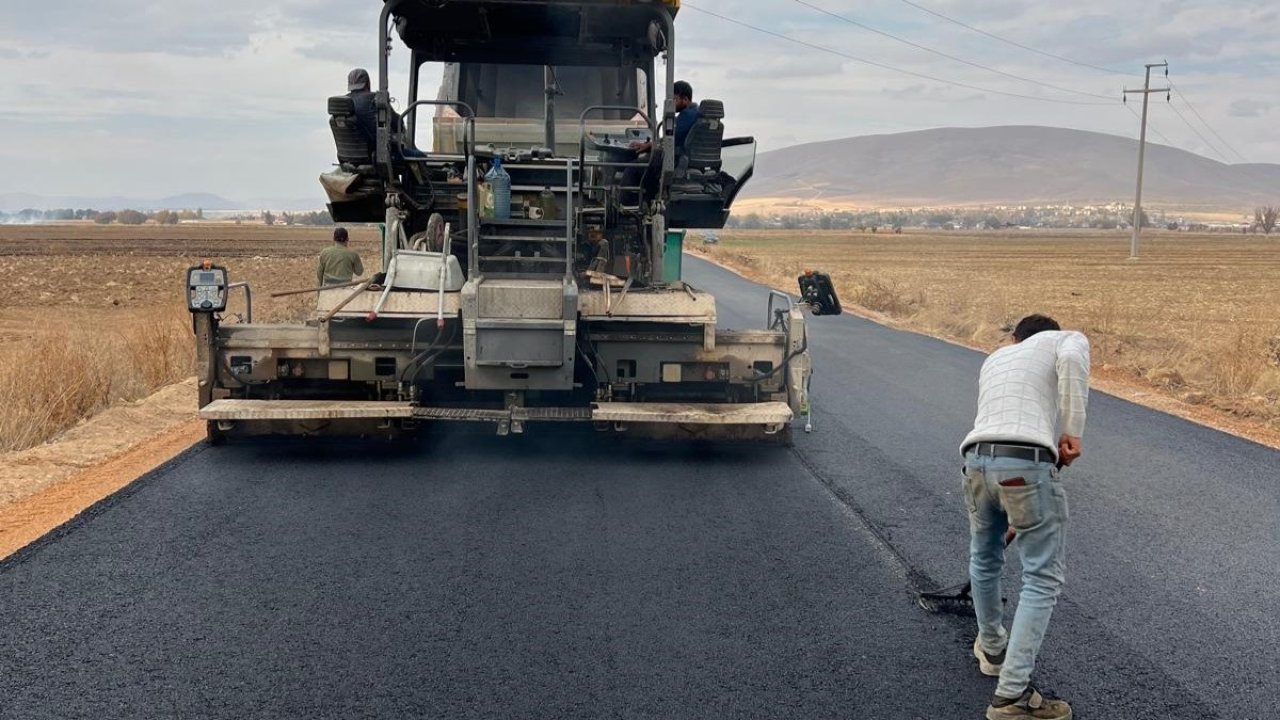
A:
358	89
363	97
687	114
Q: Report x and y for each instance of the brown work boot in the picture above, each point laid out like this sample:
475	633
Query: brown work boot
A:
1030	706
988	664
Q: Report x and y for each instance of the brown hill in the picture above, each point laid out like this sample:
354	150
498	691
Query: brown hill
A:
1005	165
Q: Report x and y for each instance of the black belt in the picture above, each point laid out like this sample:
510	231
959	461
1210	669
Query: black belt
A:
1032	453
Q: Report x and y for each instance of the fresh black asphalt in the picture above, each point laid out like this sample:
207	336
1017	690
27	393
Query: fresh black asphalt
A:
569	574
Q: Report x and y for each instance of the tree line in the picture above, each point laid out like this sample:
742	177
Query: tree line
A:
103	217
158	217
1264	218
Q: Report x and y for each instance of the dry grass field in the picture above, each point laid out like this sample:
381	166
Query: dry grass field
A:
93	315
1198	317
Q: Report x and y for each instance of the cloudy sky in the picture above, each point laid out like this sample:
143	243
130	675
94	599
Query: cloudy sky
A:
145	98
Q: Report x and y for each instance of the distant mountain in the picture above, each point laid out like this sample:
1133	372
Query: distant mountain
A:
190	201
1005	165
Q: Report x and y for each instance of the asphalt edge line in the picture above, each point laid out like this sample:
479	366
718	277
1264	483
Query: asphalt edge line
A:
22	535
917	578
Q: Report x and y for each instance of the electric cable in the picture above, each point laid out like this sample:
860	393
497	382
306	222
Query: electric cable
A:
1206	122
948	56
1014	43
1150	127
883	66
1199	134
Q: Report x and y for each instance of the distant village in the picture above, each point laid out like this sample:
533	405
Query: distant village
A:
1115	216
164	217
999	217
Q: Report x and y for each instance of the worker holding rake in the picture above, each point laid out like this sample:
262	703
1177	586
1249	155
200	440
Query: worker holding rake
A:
1032	397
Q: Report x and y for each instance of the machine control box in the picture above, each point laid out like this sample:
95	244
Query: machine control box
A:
207	288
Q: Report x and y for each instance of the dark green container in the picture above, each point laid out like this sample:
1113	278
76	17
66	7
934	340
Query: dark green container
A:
673	257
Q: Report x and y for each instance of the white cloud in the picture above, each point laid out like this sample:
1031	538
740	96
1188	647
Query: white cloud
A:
1249	108
143	97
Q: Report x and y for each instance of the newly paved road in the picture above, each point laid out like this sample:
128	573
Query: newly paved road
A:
569	575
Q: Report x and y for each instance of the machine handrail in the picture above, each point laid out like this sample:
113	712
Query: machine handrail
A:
772	319
469	121
582	133
248	299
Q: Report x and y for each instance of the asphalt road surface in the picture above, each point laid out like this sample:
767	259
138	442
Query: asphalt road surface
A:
571	575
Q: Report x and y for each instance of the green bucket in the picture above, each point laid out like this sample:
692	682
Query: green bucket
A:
673	256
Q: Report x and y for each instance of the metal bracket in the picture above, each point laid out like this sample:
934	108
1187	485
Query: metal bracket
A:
776	317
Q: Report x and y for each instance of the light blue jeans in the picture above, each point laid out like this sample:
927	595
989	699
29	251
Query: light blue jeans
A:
1007	492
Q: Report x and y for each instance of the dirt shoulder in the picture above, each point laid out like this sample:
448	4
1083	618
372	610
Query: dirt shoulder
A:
43	487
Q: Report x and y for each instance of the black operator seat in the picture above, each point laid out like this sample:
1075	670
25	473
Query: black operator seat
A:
357	193
355	154
700	191
700	156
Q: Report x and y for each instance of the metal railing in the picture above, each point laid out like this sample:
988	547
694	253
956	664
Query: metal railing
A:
248	299
468	124
582	145
779	318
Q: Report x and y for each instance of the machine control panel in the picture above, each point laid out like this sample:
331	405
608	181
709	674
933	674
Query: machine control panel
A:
207	288
620	141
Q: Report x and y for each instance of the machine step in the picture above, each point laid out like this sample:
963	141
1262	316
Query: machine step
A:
767	413
523	223
526	238
520	258
304	410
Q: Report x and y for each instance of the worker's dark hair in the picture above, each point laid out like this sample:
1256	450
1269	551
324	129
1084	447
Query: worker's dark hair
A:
340	234
1033	324
683	89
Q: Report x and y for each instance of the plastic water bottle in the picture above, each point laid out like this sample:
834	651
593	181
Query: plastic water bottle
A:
547	201
500	182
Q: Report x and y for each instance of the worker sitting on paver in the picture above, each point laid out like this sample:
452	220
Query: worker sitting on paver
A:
338	263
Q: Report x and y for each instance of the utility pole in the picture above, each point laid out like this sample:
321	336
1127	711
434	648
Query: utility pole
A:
1145	92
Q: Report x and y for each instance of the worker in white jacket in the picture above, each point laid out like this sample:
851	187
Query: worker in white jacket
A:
1032	397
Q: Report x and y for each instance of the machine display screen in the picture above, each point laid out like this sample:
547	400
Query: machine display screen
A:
207	289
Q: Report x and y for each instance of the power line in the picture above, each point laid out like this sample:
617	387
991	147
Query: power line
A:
1146	93
1007	41
1200	135
1150	126
1206	122
939	53
883	66
1181	96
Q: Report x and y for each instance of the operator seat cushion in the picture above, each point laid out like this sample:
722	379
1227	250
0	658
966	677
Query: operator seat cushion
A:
713	109
353	149
701	150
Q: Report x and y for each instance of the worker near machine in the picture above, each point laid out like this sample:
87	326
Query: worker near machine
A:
362	97
686	115
360	91
338	263
1032	397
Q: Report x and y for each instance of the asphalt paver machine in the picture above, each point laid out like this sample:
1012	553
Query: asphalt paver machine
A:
531	262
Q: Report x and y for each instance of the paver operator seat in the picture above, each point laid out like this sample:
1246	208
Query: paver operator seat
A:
355	152
700	189
357	192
